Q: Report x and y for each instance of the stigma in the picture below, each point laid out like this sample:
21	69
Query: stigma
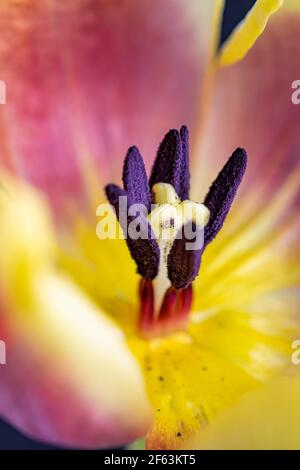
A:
173	230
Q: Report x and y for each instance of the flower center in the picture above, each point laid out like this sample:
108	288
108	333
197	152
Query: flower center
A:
173	237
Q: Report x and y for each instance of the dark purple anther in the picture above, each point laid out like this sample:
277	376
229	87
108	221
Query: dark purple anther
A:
184	264
184	191
135	179
185	256
144	250
113	193
222	192
172	162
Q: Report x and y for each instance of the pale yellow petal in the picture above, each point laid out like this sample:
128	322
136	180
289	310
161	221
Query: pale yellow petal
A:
291	5
267	418
70	378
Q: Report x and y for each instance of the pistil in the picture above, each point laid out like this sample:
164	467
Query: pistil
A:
170	306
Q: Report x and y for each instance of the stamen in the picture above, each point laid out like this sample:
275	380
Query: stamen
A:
172	162
222	192
184	263
135	178
175	234
184	184
144	250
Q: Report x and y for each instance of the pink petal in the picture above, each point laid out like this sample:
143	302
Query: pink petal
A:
87	79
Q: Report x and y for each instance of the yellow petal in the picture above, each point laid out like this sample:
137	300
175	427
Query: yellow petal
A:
188	384
92	264
291	5
70	378
26	233
194	377
247	32
267	418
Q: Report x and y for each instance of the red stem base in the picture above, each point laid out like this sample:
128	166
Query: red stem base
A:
173	313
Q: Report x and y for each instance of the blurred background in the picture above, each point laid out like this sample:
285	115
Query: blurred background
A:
11	439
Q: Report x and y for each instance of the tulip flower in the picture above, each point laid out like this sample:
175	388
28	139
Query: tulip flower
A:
106	344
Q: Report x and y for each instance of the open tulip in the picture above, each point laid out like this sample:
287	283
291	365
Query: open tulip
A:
86	80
